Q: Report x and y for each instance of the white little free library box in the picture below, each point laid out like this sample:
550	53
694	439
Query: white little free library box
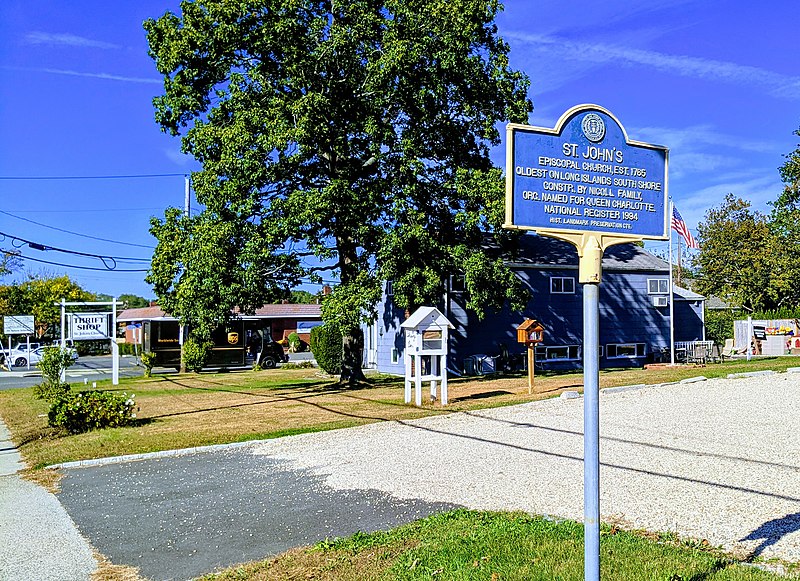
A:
427	334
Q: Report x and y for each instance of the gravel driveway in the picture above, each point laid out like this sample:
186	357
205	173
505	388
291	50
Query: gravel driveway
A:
717	460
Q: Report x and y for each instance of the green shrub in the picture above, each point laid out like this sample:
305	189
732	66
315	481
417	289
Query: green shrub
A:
128	348
196	354
83	411
95	347
298	365
148	360
54	362
326	345
50	392
719	326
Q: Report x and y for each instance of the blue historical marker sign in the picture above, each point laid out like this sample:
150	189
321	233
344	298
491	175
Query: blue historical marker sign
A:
585	175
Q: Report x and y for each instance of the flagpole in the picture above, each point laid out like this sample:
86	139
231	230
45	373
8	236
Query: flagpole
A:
671	293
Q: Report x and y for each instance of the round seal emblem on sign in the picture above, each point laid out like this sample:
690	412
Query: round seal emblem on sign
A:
593	127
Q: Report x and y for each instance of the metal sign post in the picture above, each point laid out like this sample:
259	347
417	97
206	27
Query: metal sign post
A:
19	325
586	183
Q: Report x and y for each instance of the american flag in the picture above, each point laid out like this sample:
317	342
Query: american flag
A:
681	228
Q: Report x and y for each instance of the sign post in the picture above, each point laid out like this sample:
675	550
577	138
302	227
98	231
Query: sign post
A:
586	183
19	325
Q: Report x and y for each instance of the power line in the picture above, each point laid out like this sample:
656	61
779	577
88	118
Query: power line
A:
83	267
76	233
111	177
43	247
88	210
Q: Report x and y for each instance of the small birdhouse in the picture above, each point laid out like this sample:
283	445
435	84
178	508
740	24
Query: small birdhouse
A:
530	331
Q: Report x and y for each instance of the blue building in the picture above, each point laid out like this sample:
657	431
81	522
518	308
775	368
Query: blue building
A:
634	312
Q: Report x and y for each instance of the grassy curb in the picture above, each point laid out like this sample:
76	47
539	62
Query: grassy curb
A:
497	546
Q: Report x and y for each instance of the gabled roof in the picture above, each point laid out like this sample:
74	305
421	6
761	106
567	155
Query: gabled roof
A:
279	311
715	303
426	317
533	251
686	294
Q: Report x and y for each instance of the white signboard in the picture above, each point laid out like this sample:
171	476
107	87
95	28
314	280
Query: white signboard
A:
89	326
18	325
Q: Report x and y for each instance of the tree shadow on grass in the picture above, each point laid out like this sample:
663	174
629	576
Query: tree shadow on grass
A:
482	395
301	393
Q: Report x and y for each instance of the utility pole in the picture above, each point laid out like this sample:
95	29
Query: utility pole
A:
187	197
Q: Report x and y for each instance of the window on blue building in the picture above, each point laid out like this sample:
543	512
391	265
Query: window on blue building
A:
558	353
625	350
562	285
657	286
389	288
395	355
457	284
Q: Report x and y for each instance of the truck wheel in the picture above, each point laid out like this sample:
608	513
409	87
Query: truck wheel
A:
20	362
268	363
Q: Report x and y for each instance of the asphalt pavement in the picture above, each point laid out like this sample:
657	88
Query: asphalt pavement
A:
181	517
87	369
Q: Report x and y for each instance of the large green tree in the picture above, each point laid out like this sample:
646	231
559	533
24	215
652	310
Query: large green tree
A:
357	130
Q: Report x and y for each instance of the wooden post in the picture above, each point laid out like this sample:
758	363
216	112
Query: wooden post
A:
531	360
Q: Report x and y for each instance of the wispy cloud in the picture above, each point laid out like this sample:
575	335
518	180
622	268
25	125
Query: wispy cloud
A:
66	39
776	84
105	76
759	191
700	149
697	135
178	158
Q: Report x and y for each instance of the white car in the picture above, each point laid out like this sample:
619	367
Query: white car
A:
19	358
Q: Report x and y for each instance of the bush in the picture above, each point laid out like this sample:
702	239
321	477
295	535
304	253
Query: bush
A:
50	392
196	354
326	345
298	365
128	348
54	362
148	360
83	411
95	347
719	326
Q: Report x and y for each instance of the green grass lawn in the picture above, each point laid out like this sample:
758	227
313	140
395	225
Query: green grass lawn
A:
183	411
470	545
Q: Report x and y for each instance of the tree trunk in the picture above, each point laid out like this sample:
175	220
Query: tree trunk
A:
353	339
353	355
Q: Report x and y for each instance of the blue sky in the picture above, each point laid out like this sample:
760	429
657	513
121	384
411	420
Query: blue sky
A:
718	82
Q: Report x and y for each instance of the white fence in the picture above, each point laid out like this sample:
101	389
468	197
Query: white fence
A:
694	351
